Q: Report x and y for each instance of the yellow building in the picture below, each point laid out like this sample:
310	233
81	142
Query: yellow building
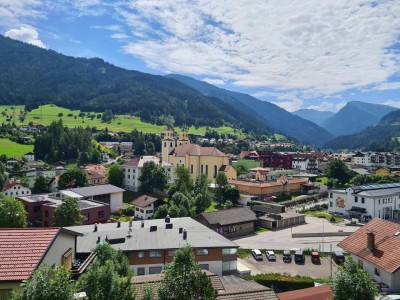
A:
206	160
382	171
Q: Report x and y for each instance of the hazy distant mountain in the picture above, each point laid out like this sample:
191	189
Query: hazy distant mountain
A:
384	136
274	116
313	115
355	116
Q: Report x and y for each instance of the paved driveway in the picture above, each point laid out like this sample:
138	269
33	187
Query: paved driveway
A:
307	269
282	239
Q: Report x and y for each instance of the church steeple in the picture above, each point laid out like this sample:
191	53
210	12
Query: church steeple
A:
183	137
168	143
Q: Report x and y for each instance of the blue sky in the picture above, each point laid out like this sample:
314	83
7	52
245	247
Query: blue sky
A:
296	54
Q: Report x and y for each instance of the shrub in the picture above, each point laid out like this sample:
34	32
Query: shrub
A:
130	211
282	282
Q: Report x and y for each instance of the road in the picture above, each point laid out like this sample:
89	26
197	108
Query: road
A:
282	239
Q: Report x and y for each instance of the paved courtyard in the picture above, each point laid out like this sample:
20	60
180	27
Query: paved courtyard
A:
282	239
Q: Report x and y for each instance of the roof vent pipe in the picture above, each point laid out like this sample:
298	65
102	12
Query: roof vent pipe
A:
142	224
95	227
118	224
167	219
98	240
184	234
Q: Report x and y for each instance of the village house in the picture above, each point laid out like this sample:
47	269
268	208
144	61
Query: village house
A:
375	247
230	222
14	188
33	165
95	178
23	250
28	157
151	244
367	201
145	206
133	169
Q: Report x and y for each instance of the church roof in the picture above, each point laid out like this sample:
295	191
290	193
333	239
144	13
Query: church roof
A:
196	150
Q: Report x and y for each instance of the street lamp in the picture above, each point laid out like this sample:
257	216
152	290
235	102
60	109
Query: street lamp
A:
323	233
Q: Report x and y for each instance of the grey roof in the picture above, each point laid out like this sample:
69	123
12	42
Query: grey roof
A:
380	193
198	236
97	190
286	215
144	201
230	216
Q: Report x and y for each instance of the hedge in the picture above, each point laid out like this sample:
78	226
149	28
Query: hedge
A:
282	282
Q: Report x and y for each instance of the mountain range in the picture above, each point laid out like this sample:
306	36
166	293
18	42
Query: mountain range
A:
383	136
274	116
313	115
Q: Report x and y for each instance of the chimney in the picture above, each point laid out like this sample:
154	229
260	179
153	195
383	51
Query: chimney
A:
95	227
184	234
180	230
106	239
98	240
118	224
142	224
167	219
370	241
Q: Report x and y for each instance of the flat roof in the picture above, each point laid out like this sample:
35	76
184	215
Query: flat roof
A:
96	190
198	235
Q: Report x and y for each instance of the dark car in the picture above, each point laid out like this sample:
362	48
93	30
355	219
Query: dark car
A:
299	256
315	257
287	256
338	257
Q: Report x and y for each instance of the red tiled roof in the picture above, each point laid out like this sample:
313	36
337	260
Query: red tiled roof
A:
9	184
21	250
322	292
94	175
386	254
265	184
132	163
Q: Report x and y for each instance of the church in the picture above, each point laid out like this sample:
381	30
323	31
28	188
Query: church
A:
199	160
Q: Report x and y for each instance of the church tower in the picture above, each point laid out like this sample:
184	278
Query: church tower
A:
183	137
168	143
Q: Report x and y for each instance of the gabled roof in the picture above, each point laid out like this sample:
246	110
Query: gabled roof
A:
322	292
9	184
196	150
230	216
144	201
386	254
22	249
94	175
139	161
227	287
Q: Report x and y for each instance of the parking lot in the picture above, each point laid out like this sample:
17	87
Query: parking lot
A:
321	270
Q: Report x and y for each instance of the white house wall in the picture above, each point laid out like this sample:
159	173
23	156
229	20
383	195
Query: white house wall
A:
115	201
62	243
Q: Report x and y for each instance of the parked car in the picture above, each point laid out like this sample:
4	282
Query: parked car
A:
257	254
315	257
391	297
338	257
287	256
299	256
270	255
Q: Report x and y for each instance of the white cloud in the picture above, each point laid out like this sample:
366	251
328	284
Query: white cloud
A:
321	46
15	13
392	103
119	36
340	105
386	86
27	35
289	101
214	81
324	106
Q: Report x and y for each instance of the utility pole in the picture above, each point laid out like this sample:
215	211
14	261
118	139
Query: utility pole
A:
331	259
323	233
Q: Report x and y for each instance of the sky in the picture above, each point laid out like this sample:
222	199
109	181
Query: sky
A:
296	54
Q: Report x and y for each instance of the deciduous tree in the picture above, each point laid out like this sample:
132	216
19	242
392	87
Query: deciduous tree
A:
153	176
41	185
72	178
12	213
183	279
352	283
68	213
337	169
115	175
221	182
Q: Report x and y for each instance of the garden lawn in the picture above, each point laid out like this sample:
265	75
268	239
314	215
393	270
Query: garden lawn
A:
12	149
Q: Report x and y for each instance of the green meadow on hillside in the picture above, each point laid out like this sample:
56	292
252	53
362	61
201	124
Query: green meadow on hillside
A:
12	149
47	113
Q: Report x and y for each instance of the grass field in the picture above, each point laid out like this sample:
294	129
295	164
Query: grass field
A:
12	149
279	137
247	163
47	113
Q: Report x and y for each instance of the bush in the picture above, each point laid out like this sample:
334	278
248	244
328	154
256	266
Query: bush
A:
282	282
130	211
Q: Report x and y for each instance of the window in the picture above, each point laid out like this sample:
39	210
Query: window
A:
229	266
129	170
202	252
46	213
129	176
155	253
171	252
191	169
207	170
330	195
137	208
140	254
140	271
101	214
37	209
46	224
377	272
355	199
142	210
363	200
228	251
215	171
204	266
330	204
379	201
155	270
149	211
202	171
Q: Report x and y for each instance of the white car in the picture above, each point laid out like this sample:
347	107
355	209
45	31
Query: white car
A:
257	254
391	297
270	255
